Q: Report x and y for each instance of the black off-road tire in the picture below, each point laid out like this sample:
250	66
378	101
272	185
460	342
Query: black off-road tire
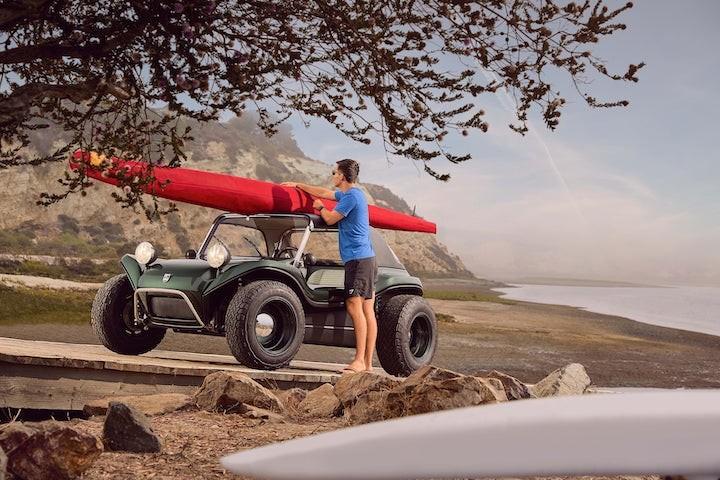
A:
276	349
407	334
112	314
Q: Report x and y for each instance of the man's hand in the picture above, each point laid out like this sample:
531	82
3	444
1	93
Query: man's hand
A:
289	184
317	204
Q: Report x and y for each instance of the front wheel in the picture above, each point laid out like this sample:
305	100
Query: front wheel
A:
113	320
265	325
407	334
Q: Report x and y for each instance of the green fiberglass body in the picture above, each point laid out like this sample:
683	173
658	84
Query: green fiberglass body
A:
268	283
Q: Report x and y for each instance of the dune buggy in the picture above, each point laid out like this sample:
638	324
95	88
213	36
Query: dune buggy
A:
268	283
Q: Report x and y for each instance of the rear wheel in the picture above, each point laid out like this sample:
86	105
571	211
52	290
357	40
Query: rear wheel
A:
265	325
113	320
407	334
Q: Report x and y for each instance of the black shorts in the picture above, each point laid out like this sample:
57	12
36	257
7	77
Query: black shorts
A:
360	277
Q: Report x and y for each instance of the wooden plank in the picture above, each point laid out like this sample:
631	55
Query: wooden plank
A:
58	388
54	354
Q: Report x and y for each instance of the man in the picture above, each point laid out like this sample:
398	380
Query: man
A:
356	251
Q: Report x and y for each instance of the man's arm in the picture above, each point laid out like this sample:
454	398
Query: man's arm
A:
319	192
331	217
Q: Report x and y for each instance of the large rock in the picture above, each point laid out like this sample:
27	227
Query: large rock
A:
320	402
373	407
291	398
150	405
48	450
227	391
430	389
514	388
571	379
352	386
128	430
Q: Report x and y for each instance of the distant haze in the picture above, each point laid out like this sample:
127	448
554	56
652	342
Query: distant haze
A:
623	194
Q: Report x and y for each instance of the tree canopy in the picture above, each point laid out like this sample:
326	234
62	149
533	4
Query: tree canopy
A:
119	76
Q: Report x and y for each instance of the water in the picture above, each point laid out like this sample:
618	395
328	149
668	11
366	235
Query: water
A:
696	309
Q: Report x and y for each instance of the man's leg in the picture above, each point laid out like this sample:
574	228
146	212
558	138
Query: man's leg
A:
354	307
369	311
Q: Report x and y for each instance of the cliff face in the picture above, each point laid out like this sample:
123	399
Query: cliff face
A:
97	226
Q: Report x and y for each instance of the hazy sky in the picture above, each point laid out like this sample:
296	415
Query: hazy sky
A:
622	194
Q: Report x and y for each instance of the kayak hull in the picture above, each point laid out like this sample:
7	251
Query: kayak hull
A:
232	193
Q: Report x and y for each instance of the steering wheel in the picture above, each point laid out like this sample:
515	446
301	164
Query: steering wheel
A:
290	250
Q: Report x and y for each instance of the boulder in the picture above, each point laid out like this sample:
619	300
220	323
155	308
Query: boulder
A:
150	405
128	430
571	379
51	450
352	386
514	388
291	398
446	394
320	402
227	391
430	389
372	407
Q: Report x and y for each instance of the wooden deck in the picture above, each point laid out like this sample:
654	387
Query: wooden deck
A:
65	376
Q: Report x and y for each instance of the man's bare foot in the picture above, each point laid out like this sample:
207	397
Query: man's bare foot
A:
369	368
355	366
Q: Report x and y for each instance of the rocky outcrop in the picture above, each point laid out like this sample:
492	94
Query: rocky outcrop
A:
150	405
128	430
571	379
429	389
320	402
228	391
48	450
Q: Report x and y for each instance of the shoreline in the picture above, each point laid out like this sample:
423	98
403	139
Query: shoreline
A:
617	305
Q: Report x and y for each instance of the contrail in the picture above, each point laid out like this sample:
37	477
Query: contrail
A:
508	104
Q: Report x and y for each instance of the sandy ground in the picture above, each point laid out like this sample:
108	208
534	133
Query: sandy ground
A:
525	340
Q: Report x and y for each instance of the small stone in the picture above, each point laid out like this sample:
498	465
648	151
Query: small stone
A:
262	414
128	430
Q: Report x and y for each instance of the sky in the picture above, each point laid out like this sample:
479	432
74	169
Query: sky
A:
627	194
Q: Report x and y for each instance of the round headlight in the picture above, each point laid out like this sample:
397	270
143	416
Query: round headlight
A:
145	253
217	256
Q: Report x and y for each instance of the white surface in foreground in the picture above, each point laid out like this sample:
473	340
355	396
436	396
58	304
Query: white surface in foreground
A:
668	433
696	309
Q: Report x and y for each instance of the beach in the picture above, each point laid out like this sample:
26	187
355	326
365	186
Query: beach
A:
523	339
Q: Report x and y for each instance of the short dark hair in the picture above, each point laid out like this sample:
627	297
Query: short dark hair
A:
349	168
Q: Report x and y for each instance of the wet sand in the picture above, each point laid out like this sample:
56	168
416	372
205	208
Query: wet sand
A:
526	340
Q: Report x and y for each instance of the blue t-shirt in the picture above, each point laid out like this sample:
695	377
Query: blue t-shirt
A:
354	229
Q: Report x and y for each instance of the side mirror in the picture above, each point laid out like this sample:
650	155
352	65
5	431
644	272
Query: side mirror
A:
192	254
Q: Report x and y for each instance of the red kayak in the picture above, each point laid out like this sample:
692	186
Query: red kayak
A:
232	194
